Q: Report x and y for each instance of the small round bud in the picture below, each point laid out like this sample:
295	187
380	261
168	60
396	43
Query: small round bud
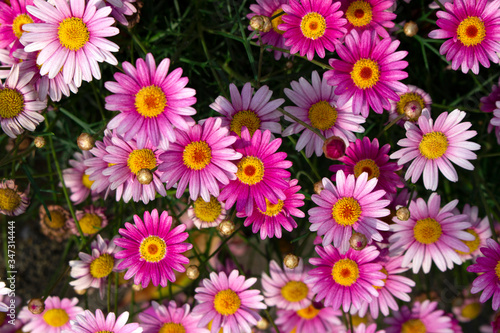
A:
36	305
137	287
289	64
318	187
145	176
226	228
403	214
358	241
40	142
334	148
192	272
412	110
410	28
80	291
291	261
85	141
260	23
262	324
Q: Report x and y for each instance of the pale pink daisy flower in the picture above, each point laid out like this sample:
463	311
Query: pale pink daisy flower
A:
91	219
468	307
96	164
4	291
120	8
170	318
71	38
364	15
488	104
480	229
12	201
207	214
313	318
12	21
433	145
495	123
87	322
423	317
77	181
411	104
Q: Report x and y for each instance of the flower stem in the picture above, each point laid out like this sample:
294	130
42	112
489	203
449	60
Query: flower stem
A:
303	123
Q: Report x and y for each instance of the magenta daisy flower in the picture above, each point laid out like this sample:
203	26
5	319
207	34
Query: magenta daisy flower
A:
423	317
261	174
433	145
369	72
91	219
87	322
12	20
151	251
480	229
471	28
13	202
150	102
77	181
201	158
365	156
227	303
431	234
364	15
350	205
317	106
345	279
71	38
313	318
120	8
488	104
411	103
207	214
277	216
312	26
253	111
169	318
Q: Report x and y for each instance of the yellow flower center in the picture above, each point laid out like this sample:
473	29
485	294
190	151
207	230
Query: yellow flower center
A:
359	13
246	118
11	103
277	21
369	166
433	145
86	181
294	291
473	245
427	231
383	270
345	272
471	311
413	326
153	249
73	33
19	21
365	73
346	211
141	159
356	320
3	316
471	31
197	155
250	170
273	209
90	223
227	302
322	115
172	328
308	313
57	221
56	317
313	25
102	266
150	101
9	199
407	98
207	211
497	269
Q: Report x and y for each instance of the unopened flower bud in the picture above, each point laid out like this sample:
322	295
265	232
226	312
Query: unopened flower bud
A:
262	324
192	272
318	187
334	148
36	305
260	23
137	287
403	214
291	261
40	142
226	228
289	64
410	28
412	110
80	291
85	141
145	176
358	241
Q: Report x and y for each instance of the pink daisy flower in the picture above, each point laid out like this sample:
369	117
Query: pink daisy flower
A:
364	15
96	165
316	105
471	28
54	319
365	156
87	322
313	318
480	229
350	205
4	291
488	104
120	8
12	201
77	181
150	102
468	308
226	302
285	288
362	328
423	317
207	214
91	219
151	251
312	26
495	123
431	234
71	38
12	21
201	158
411	103
261	173
253	111
345	279
369	72
433	145
169	318
277	216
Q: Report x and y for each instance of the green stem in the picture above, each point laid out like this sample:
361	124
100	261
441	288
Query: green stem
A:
271	320
303	123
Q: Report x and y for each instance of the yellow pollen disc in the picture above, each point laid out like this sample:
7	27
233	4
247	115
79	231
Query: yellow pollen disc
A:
413	326
246	118
250	170
346	211
73	33
308	313
57	222
141	159
383	270
497	269
11	103
427	231
407	98
17	24
90	223
207	211
369	166
172	328
322	115
471	31
9	199
365	73
153	249
294	291
86	181
345	272
313	25
273	209
150	101
277	21
56	317
227	302
356	320
433	145
359	13
102	266
473	244
471	311
197	155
